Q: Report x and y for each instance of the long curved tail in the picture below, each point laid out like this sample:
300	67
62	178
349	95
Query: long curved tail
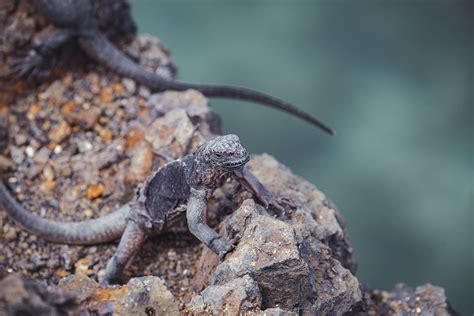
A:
94	231
98	47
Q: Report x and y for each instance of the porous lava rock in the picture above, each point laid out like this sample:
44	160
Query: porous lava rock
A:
292	257
140	296
20	295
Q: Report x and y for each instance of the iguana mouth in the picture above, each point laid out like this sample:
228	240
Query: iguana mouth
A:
235	164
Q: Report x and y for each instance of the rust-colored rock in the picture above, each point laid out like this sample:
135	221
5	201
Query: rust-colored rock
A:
75	114
94	191
141	162
296	274
60	132
140	296
294	259
135	136
107	95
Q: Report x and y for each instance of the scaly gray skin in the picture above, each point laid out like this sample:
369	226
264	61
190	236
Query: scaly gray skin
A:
74	20
183	185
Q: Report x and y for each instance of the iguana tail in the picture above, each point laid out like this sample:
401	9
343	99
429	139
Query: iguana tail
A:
94	231
99	48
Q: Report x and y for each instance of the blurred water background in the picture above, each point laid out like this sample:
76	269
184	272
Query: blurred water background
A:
394	78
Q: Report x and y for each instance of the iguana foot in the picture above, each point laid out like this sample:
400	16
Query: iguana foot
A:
222	246
32	66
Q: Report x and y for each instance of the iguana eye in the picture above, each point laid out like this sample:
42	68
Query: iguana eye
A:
218	155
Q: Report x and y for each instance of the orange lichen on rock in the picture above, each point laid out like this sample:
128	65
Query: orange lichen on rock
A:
82	266
106	134
141	162
135	136
94	191
60	132
49	185
118	88
68	107
108	293
62	273
107	95
33	110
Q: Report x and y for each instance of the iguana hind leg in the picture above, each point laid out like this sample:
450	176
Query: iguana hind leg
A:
40	60
132	239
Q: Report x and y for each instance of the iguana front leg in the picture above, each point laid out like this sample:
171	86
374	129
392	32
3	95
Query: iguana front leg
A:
196	215
252	184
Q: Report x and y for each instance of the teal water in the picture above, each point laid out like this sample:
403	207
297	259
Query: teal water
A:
394	78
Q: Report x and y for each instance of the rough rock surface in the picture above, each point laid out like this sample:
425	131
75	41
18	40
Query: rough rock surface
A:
79	295
295	259
140	296
236	297
302	260
20	295
424	300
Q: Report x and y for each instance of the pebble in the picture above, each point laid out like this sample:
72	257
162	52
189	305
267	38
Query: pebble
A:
29	151
48	173
6	164
88	213
49	185
82	266
78	99
118	89
106	134
135	135
9	234
60	132
94	191
17	154
107	95
141	162
84	146
130	85
42	156
33	111
58	149
70	106
144	92
62	273
172	254
20	139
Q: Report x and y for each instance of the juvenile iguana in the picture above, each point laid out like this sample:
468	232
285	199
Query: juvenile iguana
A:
181	186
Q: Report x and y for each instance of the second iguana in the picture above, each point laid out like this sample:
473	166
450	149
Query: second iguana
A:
74	20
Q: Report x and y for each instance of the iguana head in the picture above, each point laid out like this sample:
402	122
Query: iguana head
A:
225	152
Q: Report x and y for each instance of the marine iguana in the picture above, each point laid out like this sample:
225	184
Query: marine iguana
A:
73	20
181	186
